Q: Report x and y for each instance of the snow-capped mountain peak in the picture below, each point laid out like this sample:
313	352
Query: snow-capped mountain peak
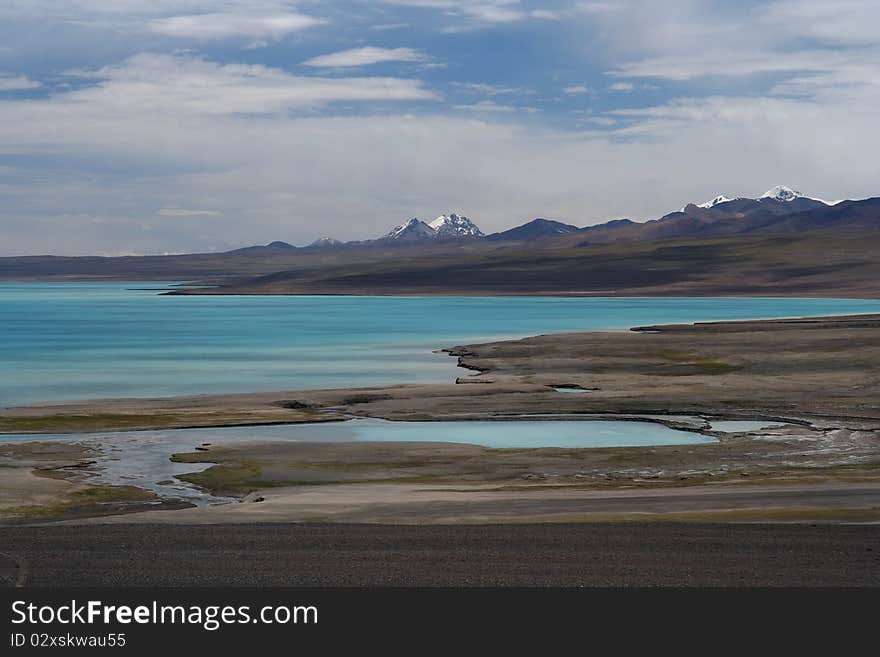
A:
715	201
786	194
444	227
454	225
412	229
324	242
782	193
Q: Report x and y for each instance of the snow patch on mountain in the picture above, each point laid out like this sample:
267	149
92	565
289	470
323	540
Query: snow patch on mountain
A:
787	194
715	201
454	225
324	242
412	229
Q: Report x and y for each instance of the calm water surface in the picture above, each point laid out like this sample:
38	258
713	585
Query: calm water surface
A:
91	340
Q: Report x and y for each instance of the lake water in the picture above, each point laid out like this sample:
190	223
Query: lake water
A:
90	340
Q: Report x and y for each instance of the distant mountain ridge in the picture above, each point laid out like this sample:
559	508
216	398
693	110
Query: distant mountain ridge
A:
779	209
776	244
535	229
271	246
450	226
325	243
454	226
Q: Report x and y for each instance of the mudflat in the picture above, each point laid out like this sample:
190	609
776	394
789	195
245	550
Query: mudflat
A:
46	480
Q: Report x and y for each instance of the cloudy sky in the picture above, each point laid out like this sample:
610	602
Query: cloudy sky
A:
152	126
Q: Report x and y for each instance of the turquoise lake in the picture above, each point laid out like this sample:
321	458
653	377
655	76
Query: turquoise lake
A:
90	340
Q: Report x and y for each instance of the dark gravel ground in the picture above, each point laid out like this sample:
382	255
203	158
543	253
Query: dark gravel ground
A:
626	554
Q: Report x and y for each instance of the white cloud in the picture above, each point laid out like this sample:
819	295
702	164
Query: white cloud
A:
485	106
545	14
486	89
481	13
722	108
577	89
381	27
132	14
135	8
785	57
131	160
734	62
841	21
598	7
492	13
221	25
366	56
692	39
621	86
200	20
17	83
187	84
180	212
276	177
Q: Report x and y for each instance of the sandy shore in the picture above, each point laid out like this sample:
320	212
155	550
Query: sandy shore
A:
836	502
818	377
27	473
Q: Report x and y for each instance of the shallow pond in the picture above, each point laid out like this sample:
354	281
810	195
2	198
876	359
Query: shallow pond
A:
142	458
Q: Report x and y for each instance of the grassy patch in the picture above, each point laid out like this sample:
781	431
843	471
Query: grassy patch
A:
228	479
88	422
698	363
93	498
49	423
237	475
241	478
195	457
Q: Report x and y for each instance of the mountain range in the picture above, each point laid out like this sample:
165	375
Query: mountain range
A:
444	228
780	209
780	243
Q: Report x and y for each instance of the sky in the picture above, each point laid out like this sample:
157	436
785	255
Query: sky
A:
170	126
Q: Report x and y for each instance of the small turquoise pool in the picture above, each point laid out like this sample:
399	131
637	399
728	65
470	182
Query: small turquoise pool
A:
143	458
499	434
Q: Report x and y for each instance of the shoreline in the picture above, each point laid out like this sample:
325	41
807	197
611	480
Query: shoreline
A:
807	373
216	402
202	290
197	288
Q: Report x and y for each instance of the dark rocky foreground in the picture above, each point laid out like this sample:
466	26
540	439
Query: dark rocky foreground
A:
625	554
